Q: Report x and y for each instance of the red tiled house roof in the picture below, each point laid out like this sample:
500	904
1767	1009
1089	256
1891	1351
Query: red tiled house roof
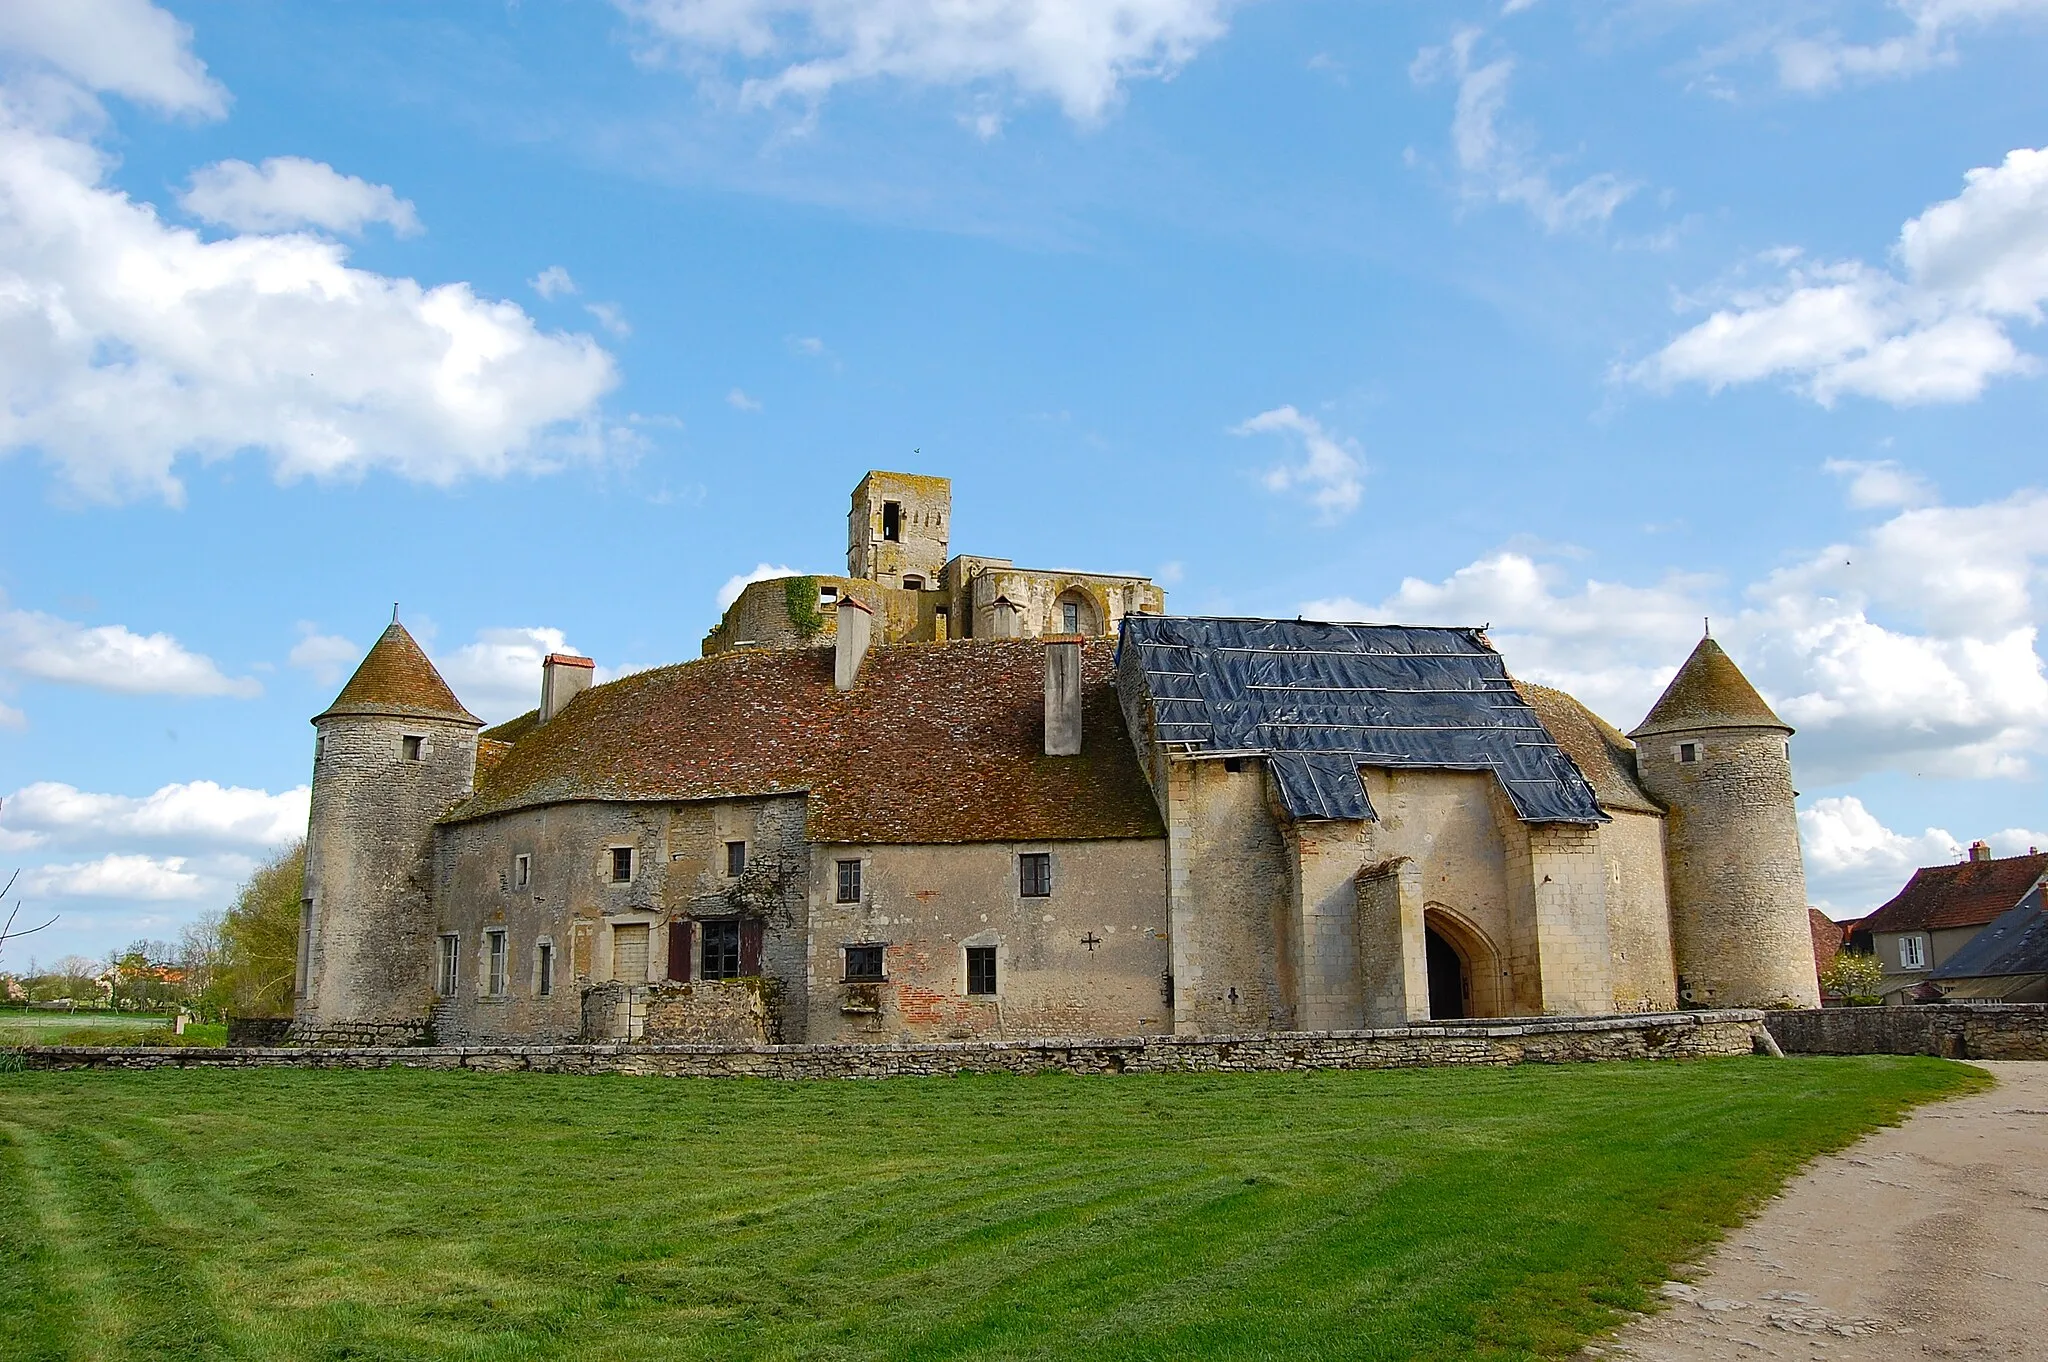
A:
935	743
1969	894
1828	936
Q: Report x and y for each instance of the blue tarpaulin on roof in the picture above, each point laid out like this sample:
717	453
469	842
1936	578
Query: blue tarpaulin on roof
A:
1322	700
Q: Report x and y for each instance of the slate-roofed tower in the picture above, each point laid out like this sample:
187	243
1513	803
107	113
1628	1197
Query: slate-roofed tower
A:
395	751
1717	757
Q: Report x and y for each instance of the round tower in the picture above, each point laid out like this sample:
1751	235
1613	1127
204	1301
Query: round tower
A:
394	752
1713	753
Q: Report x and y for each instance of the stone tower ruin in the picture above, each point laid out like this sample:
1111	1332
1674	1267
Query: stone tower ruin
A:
1716	756
897	529
393	753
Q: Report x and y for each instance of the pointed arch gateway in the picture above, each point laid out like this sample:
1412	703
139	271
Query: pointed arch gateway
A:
1464	967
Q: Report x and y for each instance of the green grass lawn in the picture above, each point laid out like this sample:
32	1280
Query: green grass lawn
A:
101	1028
399	1214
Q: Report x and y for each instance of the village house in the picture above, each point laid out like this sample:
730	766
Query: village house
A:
944	797
1941	909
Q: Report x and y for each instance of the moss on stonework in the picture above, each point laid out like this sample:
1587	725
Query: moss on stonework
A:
801	594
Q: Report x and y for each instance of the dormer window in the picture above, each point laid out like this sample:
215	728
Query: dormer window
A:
1688	753
412	747
892	522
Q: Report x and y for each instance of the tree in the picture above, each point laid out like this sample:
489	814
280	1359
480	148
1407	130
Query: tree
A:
1856	977
258	955
8	930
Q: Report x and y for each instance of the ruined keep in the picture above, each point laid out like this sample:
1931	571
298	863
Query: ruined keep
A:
944	798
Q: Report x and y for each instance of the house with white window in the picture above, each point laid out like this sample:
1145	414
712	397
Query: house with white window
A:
1940	910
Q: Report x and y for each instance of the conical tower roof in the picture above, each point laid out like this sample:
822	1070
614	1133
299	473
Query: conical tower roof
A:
1709	691
397	680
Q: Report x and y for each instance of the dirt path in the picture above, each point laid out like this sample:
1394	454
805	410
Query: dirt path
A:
1926	1240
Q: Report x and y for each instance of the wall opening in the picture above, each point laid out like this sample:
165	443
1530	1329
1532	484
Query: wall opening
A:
1465	978
1450	984
892	522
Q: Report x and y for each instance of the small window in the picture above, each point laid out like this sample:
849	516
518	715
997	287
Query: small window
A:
319	746
622	864
913	583
1034	875
451	957
1233	765
1070	617
849	882
892	521
1912	953
522	871
544	968
981	971
412	748
828	595
721	949
735	859
494	966
1688	753
863	964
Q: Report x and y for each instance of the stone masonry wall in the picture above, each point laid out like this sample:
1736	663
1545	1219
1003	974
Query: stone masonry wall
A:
1954	1030
1688	1035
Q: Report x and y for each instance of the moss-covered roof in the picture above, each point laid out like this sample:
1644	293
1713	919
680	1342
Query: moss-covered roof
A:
936	743
1605	757
397	680
1709	691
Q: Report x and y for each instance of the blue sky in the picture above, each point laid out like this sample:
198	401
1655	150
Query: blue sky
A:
547	319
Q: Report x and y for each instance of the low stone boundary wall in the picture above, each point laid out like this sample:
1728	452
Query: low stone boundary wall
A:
1543	1040
1953	1030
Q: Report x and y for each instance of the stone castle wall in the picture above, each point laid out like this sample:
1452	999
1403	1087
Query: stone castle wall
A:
1952	1030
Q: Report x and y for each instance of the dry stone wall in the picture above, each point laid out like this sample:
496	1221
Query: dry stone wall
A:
1953	1030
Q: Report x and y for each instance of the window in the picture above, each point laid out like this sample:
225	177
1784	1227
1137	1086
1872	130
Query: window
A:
305	952
981	971
494	967
1034	875
849	882
412	748
522	871
863	964
622	864
827	595
892	521
1070	617
721	951
1688	753
1912	952
451	955
735	859
1233	765
629	952
544	968
913	583
319	746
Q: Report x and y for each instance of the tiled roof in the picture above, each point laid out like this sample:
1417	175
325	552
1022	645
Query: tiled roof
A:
1709	691
396	679
2015	943
935	743
1968	894
1828	935
1596	747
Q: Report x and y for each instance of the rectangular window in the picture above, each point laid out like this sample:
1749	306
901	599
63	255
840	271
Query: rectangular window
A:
913	583
892	521
522	871
1034	875
721	949
305	962
451	956
849	882
622	864
629	953
319	746
1912	953
735	859
863	964
1688	753
412	748
981	971
544	968
1070	617
494	968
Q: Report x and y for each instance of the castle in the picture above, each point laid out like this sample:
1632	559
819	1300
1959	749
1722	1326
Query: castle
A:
946	797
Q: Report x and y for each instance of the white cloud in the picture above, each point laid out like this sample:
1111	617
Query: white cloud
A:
1854	863
49	812
126	47
132	344
739	401
730	592
1816	64
1881	483
326	656
611	317
497	675
1934	329
552	283
110	657
1500	163
809	346
1078	53
1331	474
120	875
1913	648
289	192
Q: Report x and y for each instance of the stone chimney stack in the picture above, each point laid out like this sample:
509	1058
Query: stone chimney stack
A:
563	677
1980	850
856	627
1063	697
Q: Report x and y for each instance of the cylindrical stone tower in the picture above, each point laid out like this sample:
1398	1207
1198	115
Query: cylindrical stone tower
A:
1719	760
395	751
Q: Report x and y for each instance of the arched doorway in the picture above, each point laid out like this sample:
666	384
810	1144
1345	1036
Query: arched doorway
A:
1450	984
1464	969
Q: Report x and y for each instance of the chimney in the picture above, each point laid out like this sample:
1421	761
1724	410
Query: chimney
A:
1980	850
1063	697
856	627
563	677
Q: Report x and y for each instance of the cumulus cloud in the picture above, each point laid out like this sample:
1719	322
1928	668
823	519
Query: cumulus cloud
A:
126	47
327	657
1881	482
497	674
110	657
552	283
1078	53
1331	472
289	192
1854	863
1934	327
1913	648
52	813
133	344
1822	63
120	875
763	572
1500	163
